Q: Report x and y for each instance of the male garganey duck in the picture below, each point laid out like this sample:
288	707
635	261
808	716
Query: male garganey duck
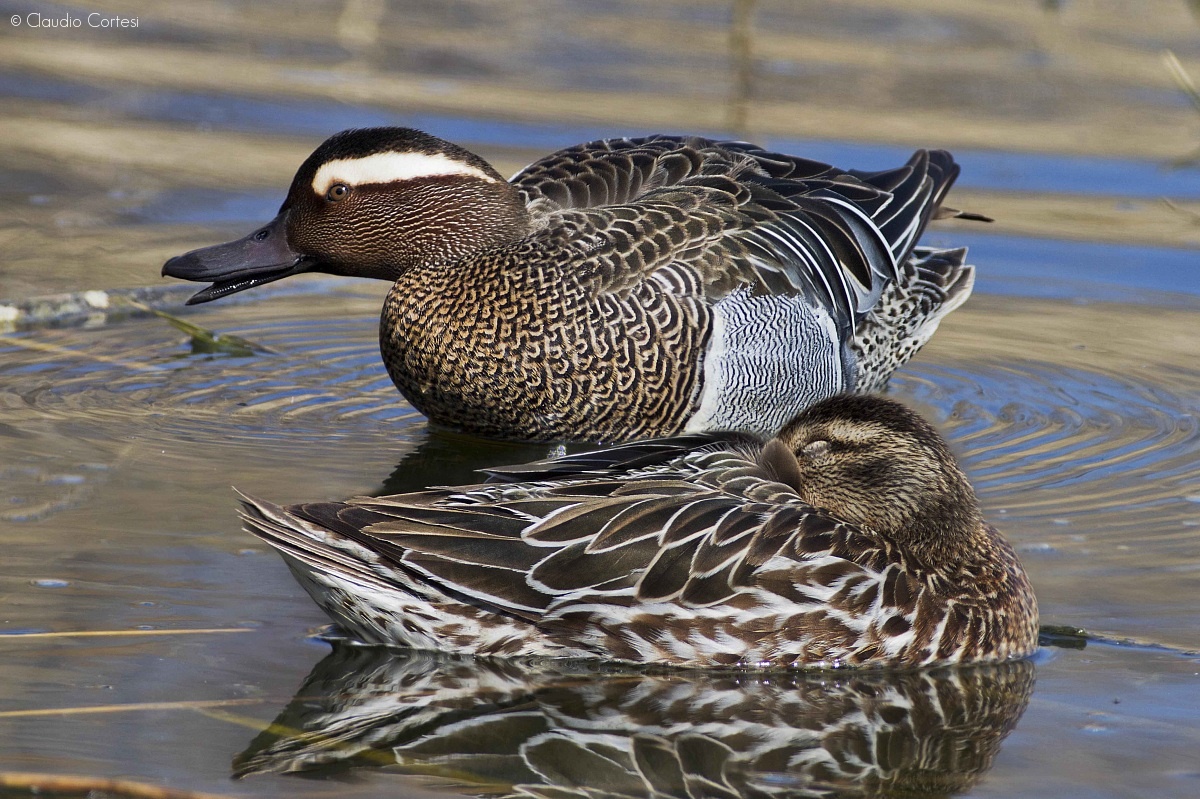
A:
619	289
852	538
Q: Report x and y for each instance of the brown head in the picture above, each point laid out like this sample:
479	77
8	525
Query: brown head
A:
876	463
368	203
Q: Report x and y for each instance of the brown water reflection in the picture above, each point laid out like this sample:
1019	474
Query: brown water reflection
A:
516	729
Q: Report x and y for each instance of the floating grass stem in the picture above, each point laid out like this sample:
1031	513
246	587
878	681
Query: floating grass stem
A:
15	783
205	341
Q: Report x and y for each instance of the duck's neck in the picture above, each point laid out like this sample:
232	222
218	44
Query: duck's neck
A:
948	530
444	221
474	219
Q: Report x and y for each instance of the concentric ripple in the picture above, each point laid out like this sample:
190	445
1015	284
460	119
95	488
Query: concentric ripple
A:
1061	435
1055	444
325	379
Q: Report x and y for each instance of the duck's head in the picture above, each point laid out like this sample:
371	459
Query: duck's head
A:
875	462
368	203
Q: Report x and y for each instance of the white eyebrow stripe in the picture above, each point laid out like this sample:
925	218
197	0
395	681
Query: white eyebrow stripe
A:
388	167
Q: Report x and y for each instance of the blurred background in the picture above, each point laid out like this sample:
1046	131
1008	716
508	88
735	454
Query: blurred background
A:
125	145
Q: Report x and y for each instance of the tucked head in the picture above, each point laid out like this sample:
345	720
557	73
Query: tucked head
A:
877	463
370	202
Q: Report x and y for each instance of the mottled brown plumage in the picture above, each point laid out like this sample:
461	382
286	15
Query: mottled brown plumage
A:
617	289
852	539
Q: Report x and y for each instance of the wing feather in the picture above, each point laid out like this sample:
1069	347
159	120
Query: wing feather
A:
739	215
694	530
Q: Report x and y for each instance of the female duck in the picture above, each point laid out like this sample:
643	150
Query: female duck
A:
617	289
851	539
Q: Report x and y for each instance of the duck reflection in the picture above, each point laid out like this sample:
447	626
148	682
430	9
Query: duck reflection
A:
447	457
530	728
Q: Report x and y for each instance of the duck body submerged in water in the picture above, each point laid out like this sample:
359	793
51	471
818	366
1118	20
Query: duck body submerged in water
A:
618	289
852	538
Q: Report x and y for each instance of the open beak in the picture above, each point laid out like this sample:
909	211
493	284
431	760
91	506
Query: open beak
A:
262	257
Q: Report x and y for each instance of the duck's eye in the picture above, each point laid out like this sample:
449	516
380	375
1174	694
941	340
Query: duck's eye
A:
815	450
337	191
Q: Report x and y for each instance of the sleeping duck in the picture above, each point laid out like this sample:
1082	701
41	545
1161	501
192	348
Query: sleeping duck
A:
850	539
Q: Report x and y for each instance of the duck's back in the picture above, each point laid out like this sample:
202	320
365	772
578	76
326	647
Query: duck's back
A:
618	171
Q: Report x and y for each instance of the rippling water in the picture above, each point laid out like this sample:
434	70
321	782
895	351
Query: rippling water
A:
1083	447
1084	453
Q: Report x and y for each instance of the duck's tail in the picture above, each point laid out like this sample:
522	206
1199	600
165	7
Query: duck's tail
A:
932	284
917	191
343	577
